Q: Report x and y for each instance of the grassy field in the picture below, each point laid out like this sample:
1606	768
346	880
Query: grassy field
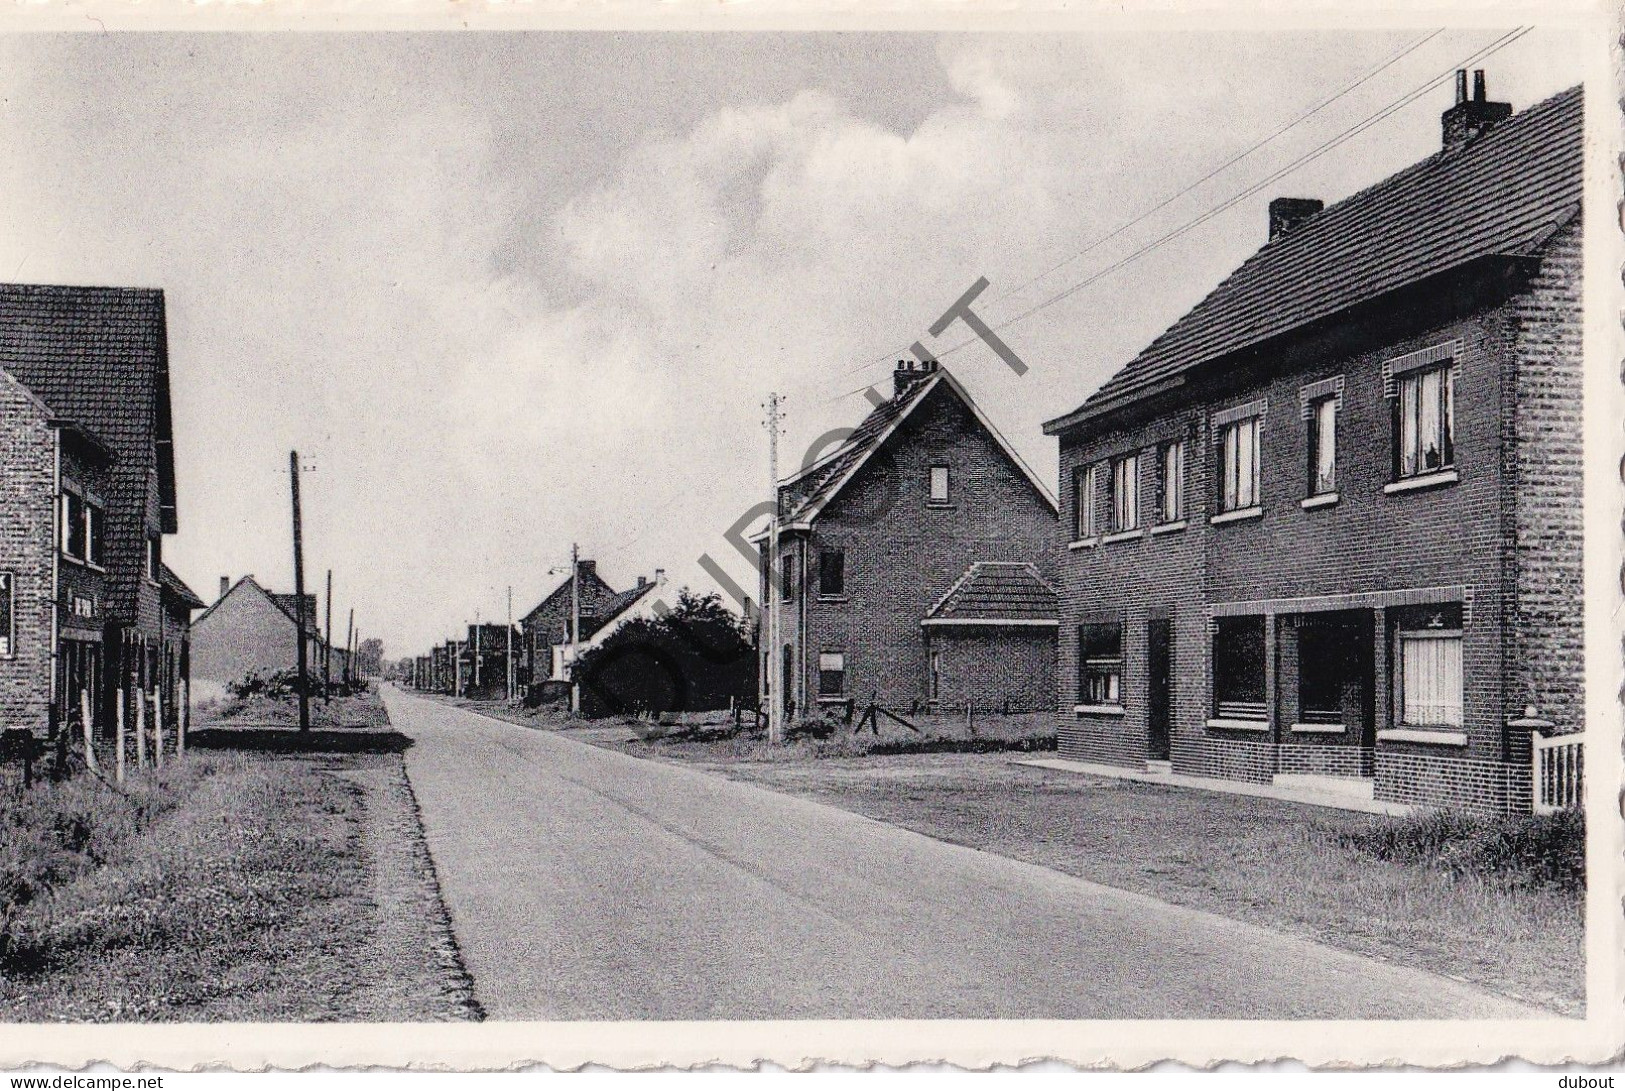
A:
1313	872
226	886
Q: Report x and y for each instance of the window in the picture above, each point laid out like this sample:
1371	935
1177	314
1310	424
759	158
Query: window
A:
95	533
1325	667
1083	502
1100	659
831	674
1171	482
1425	422
832	572
1430	668
939	484
1125	493
1238	669
7	628
1323	446
155	556
1238	483
73	525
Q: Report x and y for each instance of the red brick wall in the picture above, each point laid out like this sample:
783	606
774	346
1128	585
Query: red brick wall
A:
1132	580
1518	377
902	553
995	670
27	546
1547	657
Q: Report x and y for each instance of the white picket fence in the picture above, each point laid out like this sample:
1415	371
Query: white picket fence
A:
1559	772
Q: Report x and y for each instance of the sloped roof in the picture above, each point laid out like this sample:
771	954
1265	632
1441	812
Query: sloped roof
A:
997	592
288	603
1503	195
803	495
99	357
177	587
588	576
618	604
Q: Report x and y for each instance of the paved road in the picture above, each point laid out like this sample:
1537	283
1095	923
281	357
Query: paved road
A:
585	884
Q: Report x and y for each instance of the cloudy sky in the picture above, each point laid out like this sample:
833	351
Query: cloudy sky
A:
509	291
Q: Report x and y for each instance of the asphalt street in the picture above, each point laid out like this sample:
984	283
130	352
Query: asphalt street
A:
586	884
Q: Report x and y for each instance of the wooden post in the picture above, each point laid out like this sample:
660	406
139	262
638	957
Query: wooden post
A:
327	647
299	594
84	717
140	727
158	726
118	732
186	717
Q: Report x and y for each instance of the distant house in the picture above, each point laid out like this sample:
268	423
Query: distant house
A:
1325	531
249	630
87	495
484	661
914	564
547	625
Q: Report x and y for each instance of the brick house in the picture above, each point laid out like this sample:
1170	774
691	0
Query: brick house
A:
483	665
249	630
87	606
1325	530
548	623
914	563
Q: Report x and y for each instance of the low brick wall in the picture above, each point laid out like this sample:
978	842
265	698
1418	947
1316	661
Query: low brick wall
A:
1437	780
1348	762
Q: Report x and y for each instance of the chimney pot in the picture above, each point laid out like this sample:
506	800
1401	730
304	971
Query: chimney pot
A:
1468	119
225	585
1286	213
660	575
642	581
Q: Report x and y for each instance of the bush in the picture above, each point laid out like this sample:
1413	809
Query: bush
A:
1521	850
284	685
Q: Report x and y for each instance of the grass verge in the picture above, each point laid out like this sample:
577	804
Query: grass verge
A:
1322	874
224	887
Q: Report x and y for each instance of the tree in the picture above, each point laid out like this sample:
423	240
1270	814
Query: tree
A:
369	657
696	658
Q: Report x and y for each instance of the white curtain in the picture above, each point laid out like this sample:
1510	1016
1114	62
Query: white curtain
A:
1173	482
1432	439
1326	451
1241	465
1407	427
1431	679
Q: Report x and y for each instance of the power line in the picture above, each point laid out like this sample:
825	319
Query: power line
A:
1301	161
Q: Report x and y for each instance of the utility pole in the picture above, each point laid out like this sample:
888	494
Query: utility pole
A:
510	642
476	649
575	624
327	648
774	661
299	594
349	644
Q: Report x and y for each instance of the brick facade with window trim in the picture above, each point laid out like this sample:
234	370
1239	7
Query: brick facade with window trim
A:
1494	538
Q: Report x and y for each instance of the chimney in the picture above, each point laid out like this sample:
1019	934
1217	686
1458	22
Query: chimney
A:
587	567
1286	213
225	585
1468	119
910	372
660	576
642	582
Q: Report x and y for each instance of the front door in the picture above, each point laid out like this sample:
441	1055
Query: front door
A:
1160	674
